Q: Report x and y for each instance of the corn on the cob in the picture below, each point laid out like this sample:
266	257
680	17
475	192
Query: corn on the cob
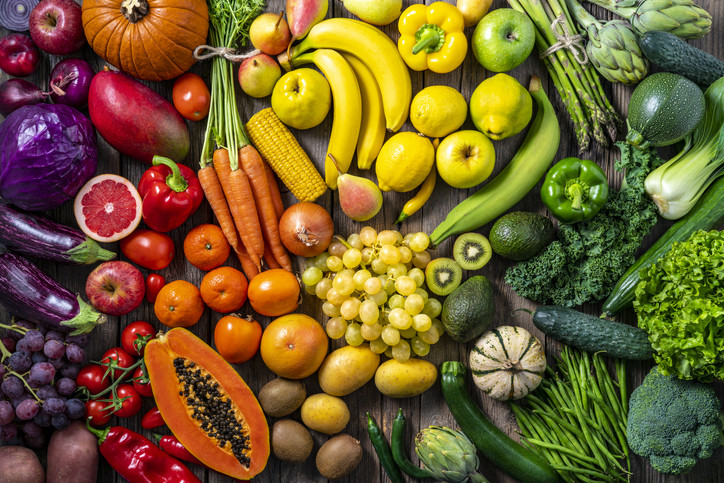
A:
285	156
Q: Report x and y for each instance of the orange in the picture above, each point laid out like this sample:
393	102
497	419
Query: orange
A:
237	339
294	346
206	247
179	304
274	292
224	289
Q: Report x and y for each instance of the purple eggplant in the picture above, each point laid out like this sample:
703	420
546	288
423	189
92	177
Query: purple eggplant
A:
44	239
29	293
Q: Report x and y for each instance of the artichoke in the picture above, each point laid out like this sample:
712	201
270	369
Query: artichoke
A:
448	454
682	18
613	48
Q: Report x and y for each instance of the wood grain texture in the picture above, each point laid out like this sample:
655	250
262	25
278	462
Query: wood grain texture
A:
429	408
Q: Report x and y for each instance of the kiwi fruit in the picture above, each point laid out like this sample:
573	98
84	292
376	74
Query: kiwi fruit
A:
472	251
281	397
339	456
290	441
443	275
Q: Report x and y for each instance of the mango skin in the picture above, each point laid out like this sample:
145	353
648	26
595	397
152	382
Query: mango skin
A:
135	120
347	369
405	379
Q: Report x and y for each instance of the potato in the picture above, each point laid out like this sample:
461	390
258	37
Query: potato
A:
20	465
324	413
73	455
347	369
405	379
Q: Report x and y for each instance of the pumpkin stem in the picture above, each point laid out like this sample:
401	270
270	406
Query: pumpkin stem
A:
510	365
134	10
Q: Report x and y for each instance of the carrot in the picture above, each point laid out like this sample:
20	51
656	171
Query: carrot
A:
252	164
247	265
241	203
215	195
274	190
271	262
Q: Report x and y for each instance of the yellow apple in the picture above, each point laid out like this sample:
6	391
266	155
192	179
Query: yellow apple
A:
465	159
301	98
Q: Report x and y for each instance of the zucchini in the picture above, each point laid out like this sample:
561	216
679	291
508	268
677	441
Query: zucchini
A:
593	334
708	213
514	459
519	177
672	54
663	110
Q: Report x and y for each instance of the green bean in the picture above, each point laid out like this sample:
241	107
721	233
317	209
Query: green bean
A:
398	450
563	449
622	387
384	454
573	469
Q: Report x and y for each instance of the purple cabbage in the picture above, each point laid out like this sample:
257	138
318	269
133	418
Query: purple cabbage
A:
47	153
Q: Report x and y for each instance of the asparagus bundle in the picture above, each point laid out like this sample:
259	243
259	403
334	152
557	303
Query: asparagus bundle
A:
577	82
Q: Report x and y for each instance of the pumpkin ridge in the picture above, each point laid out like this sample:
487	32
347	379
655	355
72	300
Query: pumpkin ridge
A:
101	36
157	56
484	354
156	33
531	341
502	343
182	37
168	46
143	59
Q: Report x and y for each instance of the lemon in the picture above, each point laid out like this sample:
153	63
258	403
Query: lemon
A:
500	107
436	111
404	162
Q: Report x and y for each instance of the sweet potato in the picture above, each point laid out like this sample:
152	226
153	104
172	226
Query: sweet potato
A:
73	455
20	465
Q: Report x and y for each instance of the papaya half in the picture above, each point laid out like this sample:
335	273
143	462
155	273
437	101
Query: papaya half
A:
207	405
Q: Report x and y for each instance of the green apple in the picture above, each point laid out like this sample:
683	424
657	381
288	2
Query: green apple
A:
465	159
258	75
301	98
503	39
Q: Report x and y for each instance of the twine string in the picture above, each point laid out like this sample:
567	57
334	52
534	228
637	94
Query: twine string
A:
203	52
565	40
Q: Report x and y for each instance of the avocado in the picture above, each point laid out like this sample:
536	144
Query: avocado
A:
521	235
469	310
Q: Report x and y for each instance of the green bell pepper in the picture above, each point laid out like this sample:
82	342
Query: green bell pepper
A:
574	190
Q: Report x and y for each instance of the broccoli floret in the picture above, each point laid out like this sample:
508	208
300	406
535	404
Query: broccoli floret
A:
673	422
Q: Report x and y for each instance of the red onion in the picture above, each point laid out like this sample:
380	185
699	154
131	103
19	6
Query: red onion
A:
306	229
19	56
70	82
15	14
16	93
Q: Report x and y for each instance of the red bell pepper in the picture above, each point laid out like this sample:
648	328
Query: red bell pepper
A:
152	419
171	445
138	460
171	193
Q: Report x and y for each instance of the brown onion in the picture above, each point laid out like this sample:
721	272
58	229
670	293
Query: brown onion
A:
306	229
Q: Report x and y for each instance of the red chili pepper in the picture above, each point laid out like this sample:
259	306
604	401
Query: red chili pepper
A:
152	419
171	193
138	460
171	445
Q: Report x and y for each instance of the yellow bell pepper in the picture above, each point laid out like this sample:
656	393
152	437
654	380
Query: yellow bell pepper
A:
431	37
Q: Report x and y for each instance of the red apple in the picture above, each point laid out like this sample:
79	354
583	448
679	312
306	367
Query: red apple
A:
269	32
18	55
258	75
115	288
56	26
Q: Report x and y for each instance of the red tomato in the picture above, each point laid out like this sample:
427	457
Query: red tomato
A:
137	334
97	413
191	96
274	292
154	284
123	359
143	388
149	249
91	376
132	401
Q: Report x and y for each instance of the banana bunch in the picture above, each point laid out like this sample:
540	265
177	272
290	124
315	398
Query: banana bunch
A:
370	83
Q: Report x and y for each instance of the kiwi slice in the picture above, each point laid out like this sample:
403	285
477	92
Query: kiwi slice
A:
472	251
443	275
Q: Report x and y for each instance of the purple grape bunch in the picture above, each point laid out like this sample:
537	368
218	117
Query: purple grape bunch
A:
37	382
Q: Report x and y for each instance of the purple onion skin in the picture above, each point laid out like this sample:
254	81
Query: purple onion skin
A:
70	82
16	93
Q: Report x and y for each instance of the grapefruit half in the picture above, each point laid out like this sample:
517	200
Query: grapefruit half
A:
107	208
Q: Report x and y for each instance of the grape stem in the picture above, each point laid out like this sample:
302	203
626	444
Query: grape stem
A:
5	352
25	383
15	328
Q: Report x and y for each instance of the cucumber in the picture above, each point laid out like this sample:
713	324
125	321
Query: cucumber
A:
708	213
593	334
514	459
664	109
672	54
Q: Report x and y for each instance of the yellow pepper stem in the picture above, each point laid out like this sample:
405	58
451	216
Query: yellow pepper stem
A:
430	38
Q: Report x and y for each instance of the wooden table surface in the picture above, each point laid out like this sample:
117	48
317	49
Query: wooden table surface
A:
429	408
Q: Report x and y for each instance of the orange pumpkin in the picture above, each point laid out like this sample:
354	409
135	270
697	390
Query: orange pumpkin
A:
147	39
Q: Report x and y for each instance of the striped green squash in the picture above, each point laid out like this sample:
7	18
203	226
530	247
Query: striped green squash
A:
507	362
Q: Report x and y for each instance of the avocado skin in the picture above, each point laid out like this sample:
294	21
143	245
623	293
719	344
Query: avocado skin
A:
469	310
521	235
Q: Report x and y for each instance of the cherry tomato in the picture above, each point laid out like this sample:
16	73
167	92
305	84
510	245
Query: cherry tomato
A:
137	334
123	359
132	401
98	412
91	376
154	284
237	339
191	96
149	249
274	292
143	388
